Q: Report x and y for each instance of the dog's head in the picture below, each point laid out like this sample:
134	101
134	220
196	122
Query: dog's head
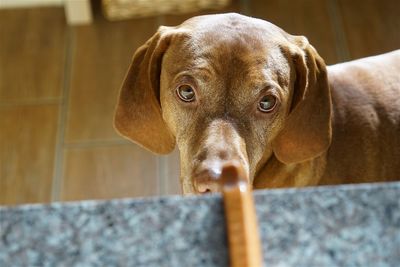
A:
226	88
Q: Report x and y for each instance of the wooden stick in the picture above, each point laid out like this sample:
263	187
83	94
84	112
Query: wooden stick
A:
243	236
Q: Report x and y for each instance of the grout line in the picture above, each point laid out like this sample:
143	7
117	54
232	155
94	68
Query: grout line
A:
96	143
62	118
32	102
245	7
159	170
160	20
162	163
336	19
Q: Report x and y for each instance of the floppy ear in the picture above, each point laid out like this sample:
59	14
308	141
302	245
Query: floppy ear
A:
307	131
138	114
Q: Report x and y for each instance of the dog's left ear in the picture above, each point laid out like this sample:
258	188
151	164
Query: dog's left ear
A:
307	132
138	114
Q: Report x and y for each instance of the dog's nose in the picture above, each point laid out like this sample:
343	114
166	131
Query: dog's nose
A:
206	180
211	177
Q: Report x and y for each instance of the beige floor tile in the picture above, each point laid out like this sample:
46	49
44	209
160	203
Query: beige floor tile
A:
109	172
32	51
27	146
306	17
102	54
371	27
172	184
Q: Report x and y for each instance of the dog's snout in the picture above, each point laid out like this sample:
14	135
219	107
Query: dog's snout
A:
220	146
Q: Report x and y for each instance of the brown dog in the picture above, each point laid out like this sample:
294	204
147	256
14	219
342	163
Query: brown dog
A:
229	88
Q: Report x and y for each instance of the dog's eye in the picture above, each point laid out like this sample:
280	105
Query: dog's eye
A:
186	93
267	103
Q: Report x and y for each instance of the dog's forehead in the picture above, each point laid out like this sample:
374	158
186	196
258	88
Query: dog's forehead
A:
225	37
231	24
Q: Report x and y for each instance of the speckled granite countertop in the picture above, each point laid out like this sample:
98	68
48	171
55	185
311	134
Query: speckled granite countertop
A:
325	226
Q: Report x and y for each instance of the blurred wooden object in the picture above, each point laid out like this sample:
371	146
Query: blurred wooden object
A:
29	3
123	9
241	220
78	12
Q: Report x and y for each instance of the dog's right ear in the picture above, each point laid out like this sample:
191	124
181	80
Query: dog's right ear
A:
138	114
